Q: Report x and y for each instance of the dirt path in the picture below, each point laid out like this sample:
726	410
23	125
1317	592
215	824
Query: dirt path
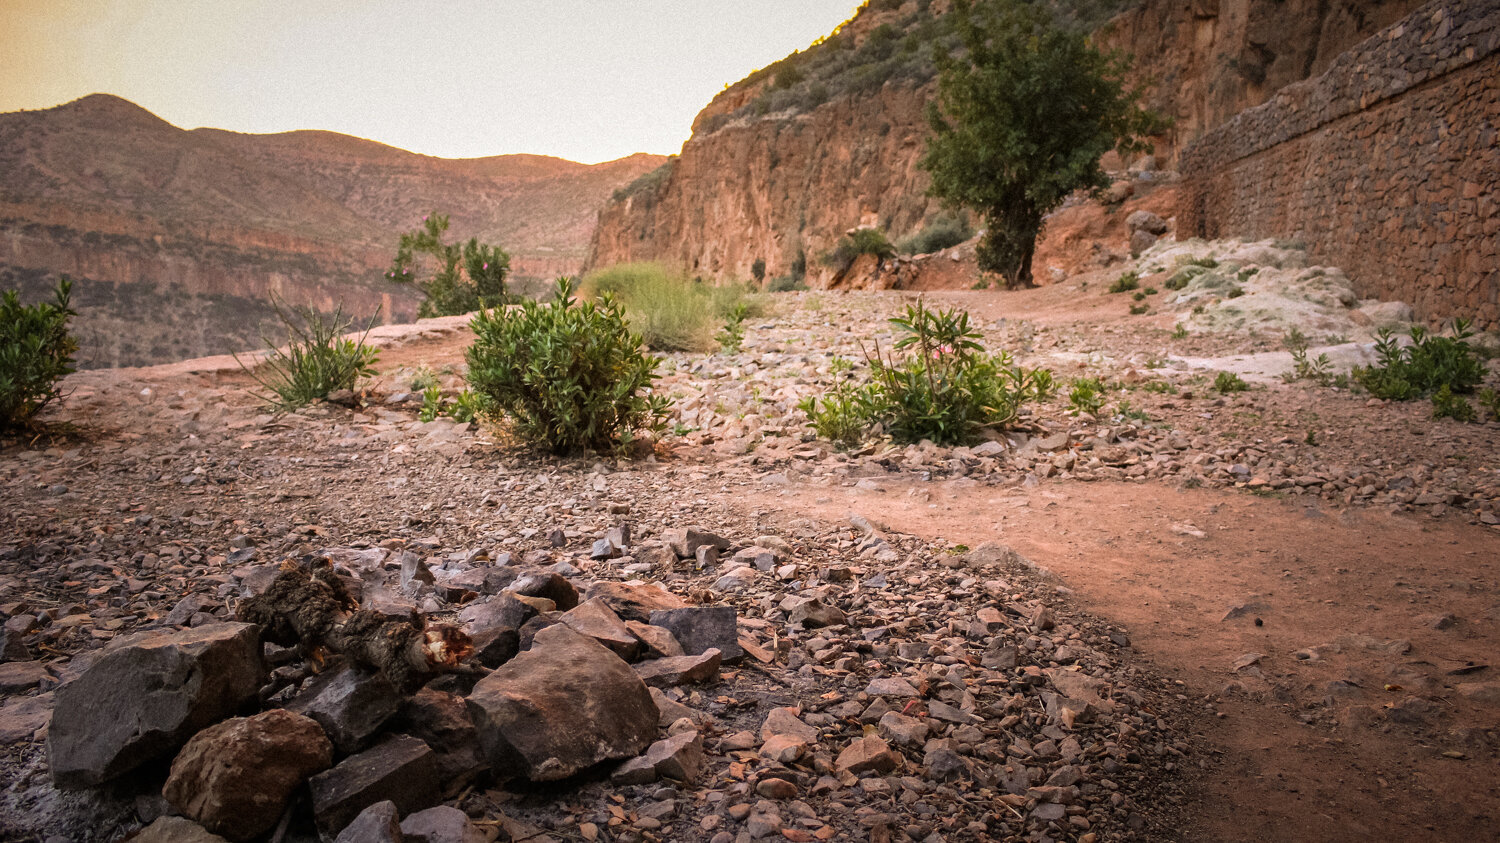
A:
1315	748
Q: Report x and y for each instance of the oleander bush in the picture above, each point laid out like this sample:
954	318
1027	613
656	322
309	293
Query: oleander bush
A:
36	351
568	375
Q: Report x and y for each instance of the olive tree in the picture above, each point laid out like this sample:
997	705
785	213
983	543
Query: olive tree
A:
1024	111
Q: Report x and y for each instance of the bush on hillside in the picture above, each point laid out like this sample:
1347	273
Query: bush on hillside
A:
36	351
944	232
570	376
860	241
1430	363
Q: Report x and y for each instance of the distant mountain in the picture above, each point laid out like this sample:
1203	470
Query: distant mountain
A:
176	237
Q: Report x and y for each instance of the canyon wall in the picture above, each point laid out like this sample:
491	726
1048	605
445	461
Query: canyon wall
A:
1387	165
177	239
774	184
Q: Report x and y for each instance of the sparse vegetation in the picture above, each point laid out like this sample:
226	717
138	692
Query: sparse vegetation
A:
842	414
996	152
36	351
570	376
1446	405
947	229
860	241
1125	283
1319	370
943	387
318	358
1431	362
670	311
732	337
1489	401
466	277
1086	396
1226	383
785	284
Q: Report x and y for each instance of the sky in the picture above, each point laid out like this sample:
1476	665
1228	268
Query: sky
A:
587	80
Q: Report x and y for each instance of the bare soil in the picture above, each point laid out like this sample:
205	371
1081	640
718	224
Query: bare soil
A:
1318	640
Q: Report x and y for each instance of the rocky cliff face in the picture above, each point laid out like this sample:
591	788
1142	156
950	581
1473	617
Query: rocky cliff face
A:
771	174
177	238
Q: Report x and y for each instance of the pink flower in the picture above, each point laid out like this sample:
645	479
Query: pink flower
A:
486	266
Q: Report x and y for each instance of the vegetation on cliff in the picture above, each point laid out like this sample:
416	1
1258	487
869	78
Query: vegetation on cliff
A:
1021	120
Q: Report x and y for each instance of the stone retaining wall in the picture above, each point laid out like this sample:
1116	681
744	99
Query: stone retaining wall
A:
1387	165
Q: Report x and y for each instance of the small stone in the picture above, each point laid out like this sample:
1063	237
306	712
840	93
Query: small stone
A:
814	614
440	824
351	704
867	754
173	830
680	670
20	677
771	788
379	823
890	687
907	731
595	619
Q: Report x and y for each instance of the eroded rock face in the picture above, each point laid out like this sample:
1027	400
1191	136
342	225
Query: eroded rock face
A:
235	778
146	696
565	705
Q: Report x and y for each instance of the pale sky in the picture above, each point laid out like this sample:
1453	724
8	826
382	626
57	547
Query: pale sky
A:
588	80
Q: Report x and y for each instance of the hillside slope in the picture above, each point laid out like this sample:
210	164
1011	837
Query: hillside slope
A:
178	237
783	162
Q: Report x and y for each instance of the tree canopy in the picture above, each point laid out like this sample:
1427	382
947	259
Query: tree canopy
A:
1022	116
468	277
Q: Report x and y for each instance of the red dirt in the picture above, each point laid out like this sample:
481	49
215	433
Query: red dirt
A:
1319	574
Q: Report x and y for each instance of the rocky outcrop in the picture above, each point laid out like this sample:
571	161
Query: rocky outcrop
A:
782	184
177	238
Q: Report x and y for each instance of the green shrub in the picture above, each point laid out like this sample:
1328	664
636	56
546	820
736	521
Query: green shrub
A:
785	284
36	351
1184	276
844	413
1125	283
1319	370
758	270
1086	396
432	403
943	387
569	376
1489	400
1138	309
733	336
944	232
1227	382
1446	405
466	406
1430	363
318	358
467	276
671	312
861	241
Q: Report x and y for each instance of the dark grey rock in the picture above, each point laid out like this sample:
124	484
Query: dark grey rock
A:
680	670
400	768
442	824
442	721
146	695
379	823
351	704
701	628
554	587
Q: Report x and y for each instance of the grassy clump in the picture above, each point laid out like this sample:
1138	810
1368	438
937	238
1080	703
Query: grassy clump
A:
671	312
570	376
1431	362
1125	283
943	387
1086	396
36	351
944	232
318	358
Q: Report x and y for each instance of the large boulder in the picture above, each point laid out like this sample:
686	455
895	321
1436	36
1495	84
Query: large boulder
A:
147	695
235	778
703	628
565	705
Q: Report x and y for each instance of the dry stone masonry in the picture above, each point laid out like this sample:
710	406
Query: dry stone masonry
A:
1387	165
